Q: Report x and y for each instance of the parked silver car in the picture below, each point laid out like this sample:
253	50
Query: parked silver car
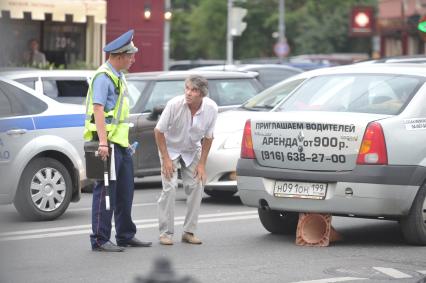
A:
350	142
41	152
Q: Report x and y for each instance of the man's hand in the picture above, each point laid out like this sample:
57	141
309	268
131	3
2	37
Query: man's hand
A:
98	112
103	151
167	168
200	174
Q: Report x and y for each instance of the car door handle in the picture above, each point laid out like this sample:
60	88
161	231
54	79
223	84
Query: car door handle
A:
16	132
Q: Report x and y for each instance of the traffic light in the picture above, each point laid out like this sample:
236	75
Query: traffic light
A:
422	24
361	21
237	23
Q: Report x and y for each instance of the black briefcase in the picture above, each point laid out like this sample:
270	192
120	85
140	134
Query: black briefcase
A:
94	163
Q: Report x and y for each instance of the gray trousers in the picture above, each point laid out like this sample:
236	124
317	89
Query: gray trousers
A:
166	203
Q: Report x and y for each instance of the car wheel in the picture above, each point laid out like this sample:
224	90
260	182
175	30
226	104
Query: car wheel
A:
44	190
219	194
413	226
278	222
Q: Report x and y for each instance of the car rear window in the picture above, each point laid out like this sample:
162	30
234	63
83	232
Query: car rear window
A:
362	93
29	82
16	102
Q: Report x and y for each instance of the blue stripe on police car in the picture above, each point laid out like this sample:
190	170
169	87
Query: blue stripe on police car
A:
42	122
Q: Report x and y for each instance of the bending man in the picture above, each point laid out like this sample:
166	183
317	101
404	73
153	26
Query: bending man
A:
184	135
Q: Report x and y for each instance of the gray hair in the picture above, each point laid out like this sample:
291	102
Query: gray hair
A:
198	82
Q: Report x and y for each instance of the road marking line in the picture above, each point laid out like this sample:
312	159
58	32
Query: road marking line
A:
392	272
88	226
330	280
134	205
85	229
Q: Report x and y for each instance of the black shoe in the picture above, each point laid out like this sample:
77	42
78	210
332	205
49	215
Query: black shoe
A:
108	247
135	243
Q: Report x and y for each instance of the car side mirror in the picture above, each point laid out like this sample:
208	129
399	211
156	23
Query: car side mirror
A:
156	111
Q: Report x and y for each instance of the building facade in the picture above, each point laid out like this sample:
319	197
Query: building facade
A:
397	27
71	33
146	17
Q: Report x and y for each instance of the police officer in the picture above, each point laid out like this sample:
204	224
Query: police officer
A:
107	111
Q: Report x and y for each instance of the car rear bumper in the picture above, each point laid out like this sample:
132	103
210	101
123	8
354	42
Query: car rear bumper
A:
367	200
371	174
375	192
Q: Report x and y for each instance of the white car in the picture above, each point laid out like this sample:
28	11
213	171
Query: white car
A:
41	152
67	86
225	151
348	142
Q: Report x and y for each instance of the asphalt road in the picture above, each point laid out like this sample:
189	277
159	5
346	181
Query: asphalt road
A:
236	248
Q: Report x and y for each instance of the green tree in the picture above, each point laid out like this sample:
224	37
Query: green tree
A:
321	26
312	26
206	38
257	40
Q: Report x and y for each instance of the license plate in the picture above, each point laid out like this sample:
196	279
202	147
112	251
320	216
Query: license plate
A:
286	189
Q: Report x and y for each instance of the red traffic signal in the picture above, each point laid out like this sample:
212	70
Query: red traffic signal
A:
361	21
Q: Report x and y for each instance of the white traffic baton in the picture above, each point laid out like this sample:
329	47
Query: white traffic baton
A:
106	184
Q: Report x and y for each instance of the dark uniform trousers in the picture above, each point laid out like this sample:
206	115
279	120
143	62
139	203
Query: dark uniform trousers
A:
121	198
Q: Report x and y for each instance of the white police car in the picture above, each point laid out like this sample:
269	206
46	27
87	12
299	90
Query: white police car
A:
41	152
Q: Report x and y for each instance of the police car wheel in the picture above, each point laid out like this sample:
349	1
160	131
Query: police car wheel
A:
413	226
278	222
44	191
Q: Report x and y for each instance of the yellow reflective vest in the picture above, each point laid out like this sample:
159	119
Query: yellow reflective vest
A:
117	125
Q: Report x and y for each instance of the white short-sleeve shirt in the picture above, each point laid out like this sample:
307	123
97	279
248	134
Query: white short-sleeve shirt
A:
184	133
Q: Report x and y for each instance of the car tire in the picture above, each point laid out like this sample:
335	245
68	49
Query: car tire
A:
44	191
413	225
219	194
278	222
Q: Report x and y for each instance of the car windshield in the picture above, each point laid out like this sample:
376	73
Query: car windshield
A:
270	97
362	93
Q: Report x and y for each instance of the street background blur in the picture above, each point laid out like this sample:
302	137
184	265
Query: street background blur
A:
173	34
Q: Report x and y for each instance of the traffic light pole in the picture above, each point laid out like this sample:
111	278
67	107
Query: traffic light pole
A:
229	39
281	24
166	41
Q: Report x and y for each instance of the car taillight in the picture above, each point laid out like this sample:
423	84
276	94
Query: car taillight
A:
373	146
247	143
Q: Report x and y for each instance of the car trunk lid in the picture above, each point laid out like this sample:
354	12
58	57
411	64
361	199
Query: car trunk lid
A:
317	141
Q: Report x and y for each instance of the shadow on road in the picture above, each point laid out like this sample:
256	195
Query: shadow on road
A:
234	200
362	233
379	232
